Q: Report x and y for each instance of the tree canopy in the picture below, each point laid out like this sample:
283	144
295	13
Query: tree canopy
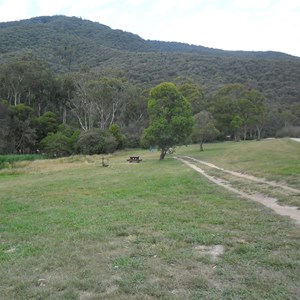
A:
238	109
204	129
171	120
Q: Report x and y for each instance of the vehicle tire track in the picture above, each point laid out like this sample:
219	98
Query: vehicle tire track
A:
245	176
291	211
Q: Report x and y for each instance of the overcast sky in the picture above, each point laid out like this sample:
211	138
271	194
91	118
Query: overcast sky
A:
258	25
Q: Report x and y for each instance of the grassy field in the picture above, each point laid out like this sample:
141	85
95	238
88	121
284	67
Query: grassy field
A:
274	159
71	229
12	160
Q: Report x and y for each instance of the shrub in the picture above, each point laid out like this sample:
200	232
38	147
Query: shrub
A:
57	144
96	141
115	130
47	123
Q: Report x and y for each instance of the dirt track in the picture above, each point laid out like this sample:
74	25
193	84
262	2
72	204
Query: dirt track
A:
291	211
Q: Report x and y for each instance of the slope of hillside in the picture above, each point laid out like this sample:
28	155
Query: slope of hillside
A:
70	44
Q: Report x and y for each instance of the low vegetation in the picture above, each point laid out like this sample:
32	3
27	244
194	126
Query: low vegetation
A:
12	159
71	229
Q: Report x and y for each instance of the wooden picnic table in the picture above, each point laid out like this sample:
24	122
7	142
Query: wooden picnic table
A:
134	159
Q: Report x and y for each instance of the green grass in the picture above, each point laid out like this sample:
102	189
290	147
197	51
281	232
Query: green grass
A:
10	160
71	229
273	159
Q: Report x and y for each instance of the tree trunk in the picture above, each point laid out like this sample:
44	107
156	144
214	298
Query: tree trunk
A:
237	137
39	109
64	116
201	146
245	133
259	129
162	154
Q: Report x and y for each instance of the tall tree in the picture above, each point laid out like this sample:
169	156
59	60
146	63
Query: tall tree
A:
47	123
171	120
98	102
81	104
237	108
22	134
26	79
66	88
258	114
193	93
4	128
204	129
109	96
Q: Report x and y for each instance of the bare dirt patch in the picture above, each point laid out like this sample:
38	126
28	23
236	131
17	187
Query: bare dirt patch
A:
213	251
291	211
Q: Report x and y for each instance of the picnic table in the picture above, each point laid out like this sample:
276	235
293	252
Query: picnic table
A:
134	159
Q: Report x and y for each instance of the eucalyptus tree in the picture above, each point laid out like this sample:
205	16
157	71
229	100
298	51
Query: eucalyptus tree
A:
171	120
66	88
26	79
98	102
238	109
22	132
81	104
204	129
192	92
109	96
5	122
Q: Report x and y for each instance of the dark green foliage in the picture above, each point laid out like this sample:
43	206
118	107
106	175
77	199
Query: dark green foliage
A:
22	137
171	120
115	130
26	79
61	143
4	128
193	93
239	110
96	141
204	129
56	144
48	64
68	44
47	123
21	111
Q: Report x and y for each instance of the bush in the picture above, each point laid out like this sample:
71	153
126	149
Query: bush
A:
132	142
47	123
96	141
57	144
120	138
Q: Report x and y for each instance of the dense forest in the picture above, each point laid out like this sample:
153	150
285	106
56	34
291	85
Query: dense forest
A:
65	81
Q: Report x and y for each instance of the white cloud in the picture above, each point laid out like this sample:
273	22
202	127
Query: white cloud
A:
11	10
52	7
253	4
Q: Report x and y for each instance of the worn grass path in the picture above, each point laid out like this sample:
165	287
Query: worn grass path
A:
291	211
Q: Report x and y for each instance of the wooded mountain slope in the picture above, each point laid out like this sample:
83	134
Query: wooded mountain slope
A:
70	44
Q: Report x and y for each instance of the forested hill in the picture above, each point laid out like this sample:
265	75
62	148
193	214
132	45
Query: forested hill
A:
62	78
60	34
70	44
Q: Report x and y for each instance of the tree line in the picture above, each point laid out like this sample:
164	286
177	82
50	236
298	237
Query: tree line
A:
98	112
